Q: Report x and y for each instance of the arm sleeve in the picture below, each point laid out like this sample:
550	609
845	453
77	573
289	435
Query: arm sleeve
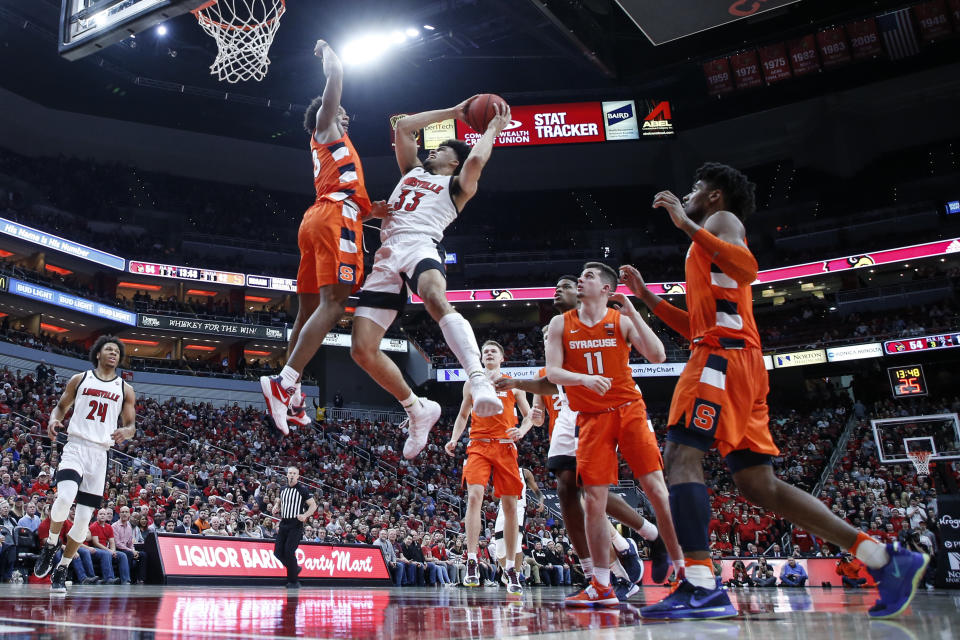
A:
675	318
735	261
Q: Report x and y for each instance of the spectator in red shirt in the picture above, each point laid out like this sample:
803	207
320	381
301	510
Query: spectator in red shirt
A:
41	486
102	539
803	541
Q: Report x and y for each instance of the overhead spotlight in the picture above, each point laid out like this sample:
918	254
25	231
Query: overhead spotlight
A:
429	27
162	30
365	50
412	33
398	37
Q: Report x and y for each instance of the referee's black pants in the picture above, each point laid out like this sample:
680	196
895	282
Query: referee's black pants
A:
288	539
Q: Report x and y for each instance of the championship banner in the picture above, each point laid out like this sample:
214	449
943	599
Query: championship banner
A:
864	39
833	47
546	124
746	70
803	55
183	556
819	570
774	60
933	20
719	78
806	270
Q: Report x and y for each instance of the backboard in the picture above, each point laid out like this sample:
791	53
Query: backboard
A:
87	26
939	434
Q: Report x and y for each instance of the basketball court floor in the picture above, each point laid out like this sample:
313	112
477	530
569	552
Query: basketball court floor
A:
147	612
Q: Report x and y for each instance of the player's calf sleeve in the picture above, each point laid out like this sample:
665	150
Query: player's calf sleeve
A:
690	507
66	494
459	336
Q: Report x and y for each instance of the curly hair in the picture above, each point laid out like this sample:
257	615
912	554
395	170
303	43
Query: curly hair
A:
738	191
99	344
461	148
310	117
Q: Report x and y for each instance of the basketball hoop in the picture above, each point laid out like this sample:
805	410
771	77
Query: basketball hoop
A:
921	461
244	31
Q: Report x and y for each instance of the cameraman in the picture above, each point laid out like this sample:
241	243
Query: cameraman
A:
848	568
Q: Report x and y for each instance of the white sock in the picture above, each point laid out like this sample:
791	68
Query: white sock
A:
617	569
587	565
700	576
602	576
471	556
873	554
411	404
510	564
460	338
289	378
53	538
619	542
649	531
65	561
678	564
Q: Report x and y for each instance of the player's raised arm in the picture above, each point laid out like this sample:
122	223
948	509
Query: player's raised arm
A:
675	318
637	332
327	116
60	411
466	182
407	127
560	376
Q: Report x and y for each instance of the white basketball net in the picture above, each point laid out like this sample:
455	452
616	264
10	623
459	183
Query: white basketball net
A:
921	461
244	31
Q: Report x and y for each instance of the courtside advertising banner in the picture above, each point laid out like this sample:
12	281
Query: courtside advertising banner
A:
948	554
819	570
546	124
215	557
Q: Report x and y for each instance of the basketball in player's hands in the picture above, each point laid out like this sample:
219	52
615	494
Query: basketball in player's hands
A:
480	111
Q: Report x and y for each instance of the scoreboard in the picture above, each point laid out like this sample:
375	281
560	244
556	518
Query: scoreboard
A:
907	382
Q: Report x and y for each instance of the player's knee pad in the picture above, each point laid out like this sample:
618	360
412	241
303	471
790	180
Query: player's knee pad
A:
81	523
66	494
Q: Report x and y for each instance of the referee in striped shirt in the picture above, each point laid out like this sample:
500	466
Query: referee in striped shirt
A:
294	506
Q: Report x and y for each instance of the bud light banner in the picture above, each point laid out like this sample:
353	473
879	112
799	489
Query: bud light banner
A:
620	120
948	555
183	556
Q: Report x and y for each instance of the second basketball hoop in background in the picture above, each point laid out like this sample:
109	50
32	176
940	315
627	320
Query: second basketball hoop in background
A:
244	31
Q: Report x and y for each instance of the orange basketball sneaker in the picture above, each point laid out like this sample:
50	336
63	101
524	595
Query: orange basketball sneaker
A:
595	595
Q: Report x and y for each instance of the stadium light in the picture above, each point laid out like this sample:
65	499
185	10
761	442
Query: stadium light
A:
365	49
398	37
412	33
162	30
429	27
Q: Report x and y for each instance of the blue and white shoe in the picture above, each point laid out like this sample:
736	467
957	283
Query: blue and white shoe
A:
624	589
897	580
630	559
688	602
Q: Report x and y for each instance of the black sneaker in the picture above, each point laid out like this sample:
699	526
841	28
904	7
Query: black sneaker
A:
472	579
659	560
58	583
90	580
111	581
45	562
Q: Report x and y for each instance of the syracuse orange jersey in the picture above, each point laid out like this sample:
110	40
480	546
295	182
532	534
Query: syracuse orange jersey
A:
552	404
495	427
598	350
337	172
721	311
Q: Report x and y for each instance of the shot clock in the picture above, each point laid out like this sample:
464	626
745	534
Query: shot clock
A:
907	382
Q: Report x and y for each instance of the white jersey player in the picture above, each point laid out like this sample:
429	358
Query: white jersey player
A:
101	400
427	199
529	483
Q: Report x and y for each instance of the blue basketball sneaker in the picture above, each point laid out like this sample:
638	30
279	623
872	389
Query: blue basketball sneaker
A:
659	560
688	602
630	559
897	580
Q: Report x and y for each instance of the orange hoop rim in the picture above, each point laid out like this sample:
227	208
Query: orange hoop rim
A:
230	27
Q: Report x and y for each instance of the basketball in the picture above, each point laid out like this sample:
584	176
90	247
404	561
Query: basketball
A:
480	111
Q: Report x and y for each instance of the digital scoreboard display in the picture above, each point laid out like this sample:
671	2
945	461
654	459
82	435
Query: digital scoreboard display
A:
906	382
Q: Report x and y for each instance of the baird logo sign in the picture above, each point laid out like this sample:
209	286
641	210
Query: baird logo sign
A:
948	521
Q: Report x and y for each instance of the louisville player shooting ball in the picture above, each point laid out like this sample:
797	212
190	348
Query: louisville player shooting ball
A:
480	111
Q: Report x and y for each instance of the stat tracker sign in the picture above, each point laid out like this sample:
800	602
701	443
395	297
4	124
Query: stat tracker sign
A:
214	557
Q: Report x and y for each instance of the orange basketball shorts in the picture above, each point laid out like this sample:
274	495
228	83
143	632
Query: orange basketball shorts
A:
497	458
721	401
601	434
331	246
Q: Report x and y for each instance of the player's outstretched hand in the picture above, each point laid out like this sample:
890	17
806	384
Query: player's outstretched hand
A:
632	278
666	200
502	119
319	47
52	427
378	209
598	384
513	433
449	447
620	299
461	109
505	383
536	417
122	434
